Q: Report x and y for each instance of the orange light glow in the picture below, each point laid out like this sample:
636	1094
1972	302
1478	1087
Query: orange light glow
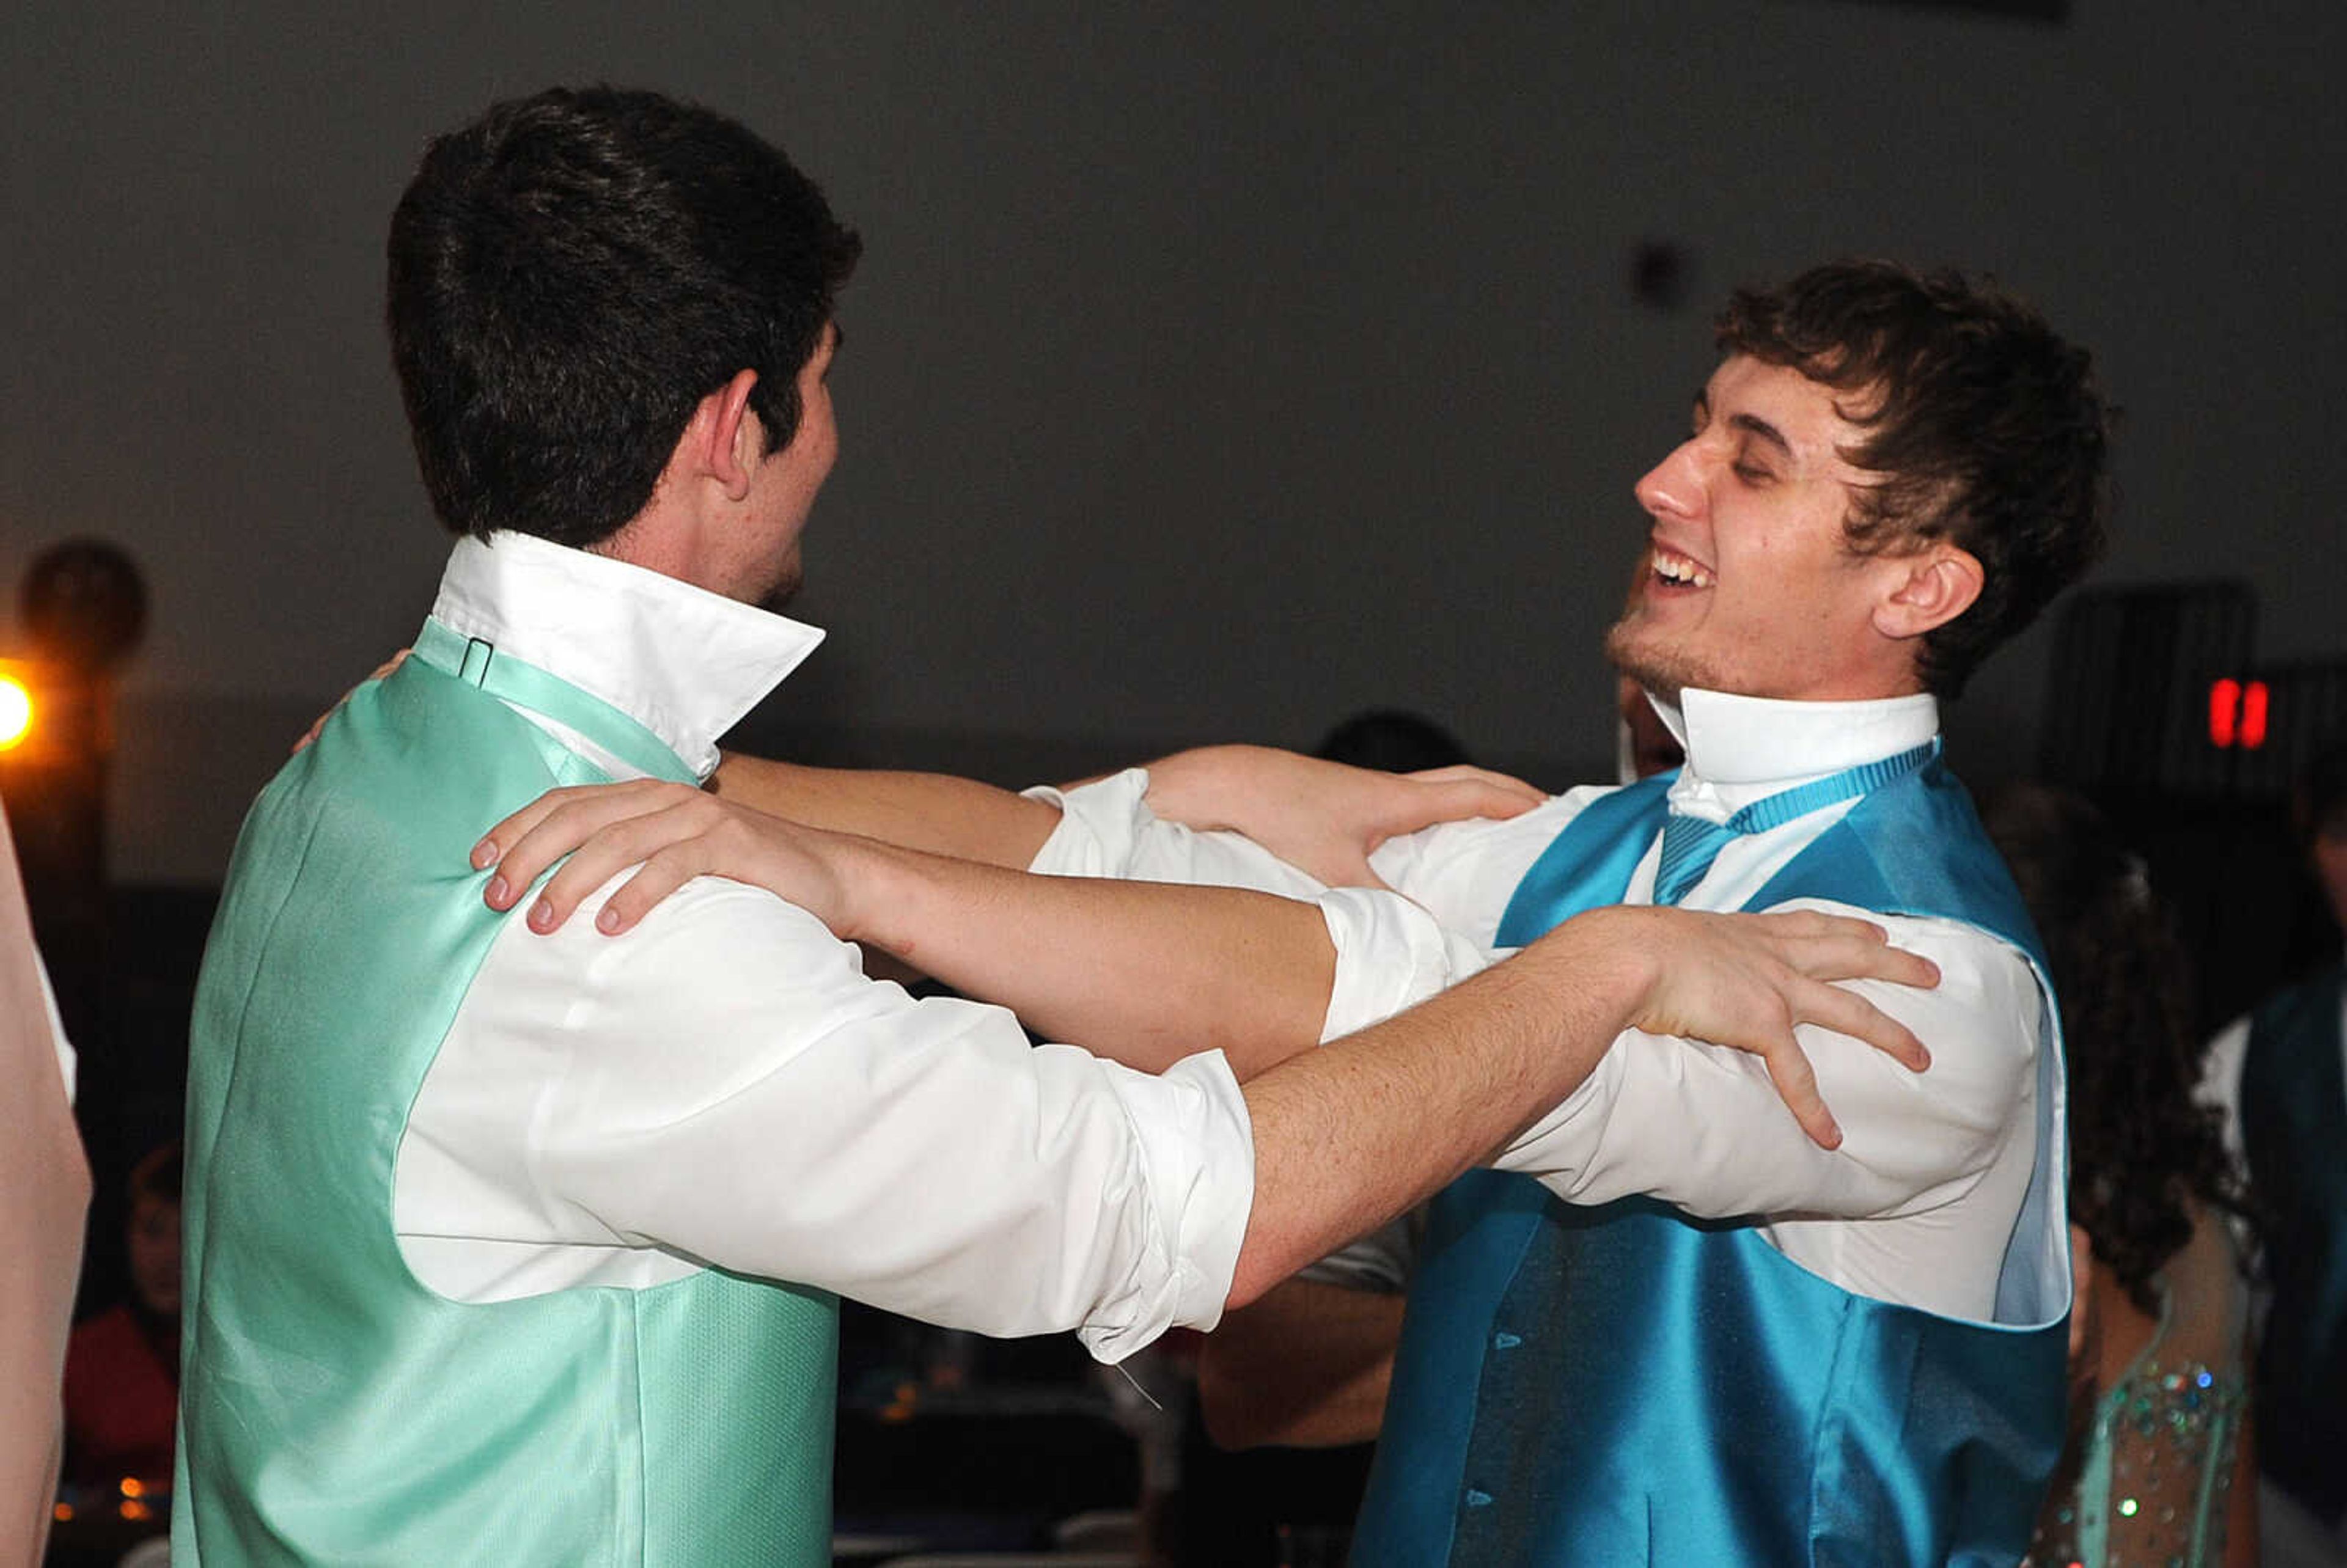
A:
62	1512
16	712
133	1487
134	1509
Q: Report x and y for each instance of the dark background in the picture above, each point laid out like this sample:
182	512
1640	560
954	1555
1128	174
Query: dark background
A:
1211	373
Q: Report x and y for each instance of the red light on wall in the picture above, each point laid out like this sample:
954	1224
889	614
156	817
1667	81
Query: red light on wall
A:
2253	715
2224	713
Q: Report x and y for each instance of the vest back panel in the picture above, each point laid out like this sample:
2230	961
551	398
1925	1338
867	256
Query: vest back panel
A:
336	1411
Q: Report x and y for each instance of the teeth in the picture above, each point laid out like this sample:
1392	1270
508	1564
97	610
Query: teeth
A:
1675	568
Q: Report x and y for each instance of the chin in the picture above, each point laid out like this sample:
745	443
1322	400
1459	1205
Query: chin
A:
777	598
1660	671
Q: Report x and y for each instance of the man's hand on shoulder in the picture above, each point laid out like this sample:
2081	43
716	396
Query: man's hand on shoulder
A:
675	833
1321	816
1747	980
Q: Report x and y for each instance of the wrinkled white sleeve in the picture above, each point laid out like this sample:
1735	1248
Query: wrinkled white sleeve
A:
1107	829
1390	952
1703	1127
2221	1083
2219	1090
724	1083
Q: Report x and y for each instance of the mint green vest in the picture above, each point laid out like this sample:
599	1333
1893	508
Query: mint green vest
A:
333	1409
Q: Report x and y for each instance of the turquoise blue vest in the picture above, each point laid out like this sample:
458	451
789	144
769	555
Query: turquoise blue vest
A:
1622	1384
333	1409
2293	1126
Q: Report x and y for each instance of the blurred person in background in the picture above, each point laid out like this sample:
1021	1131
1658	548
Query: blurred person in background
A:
2279	1077
2156	1469
122	1366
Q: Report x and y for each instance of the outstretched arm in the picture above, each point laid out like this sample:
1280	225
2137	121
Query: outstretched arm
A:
1142	972
933	812
1324	818
1374	1124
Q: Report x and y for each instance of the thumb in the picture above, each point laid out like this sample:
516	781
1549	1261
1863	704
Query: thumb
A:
1353	870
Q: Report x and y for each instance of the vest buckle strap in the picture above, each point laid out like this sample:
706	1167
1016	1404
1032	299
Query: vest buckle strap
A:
475	670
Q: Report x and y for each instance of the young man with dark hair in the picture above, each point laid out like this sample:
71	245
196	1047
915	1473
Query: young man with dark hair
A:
505	1247
1682	1332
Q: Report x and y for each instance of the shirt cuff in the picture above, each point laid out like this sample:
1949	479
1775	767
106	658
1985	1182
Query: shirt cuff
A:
1197	1155
1101	824
1390	954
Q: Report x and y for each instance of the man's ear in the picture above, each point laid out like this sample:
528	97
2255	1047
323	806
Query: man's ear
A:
1934	586
724	435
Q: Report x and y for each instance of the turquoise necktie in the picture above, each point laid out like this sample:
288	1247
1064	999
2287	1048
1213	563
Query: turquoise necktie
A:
1690	844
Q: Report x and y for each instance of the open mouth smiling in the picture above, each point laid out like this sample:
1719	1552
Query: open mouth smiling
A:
1675	571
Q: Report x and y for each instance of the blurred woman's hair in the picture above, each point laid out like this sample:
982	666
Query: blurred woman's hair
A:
2142	1152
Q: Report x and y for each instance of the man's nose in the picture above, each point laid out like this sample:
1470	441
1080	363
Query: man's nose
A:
1673	486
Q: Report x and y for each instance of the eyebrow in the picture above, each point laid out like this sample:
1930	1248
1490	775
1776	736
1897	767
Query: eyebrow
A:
1752	424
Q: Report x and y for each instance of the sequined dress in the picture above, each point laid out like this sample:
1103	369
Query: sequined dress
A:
2152	1470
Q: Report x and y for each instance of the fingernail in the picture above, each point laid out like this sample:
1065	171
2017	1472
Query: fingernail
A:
607	919
498	892
485	853
541	916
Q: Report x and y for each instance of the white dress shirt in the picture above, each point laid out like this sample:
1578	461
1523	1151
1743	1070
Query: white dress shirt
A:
1917	1204
2221	1085
723	1086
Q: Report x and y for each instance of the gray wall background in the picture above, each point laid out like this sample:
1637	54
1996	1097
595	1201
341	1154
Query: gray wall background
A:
1211	372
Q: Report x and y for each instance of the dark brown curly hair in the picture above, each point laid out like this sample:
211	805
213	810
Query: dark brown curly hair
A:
2142	1153
1987	429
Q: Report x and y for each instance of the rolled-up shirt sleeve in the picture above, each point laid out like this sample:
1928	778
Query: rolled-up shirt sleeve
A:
1390	954
725	1084
1107	829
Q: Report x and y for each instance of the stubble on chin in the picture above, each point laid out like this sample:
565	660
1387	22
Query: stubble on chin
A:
1657	670
777	598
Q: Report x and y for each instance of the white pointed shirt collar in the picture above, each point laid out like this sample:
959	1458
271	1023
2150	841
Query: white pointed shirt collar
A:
1743	749
682	661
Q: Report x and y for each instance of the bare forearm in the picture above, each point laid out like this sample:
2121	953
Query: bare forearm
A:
933	812
1307	1365
1348	1136
1145	972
